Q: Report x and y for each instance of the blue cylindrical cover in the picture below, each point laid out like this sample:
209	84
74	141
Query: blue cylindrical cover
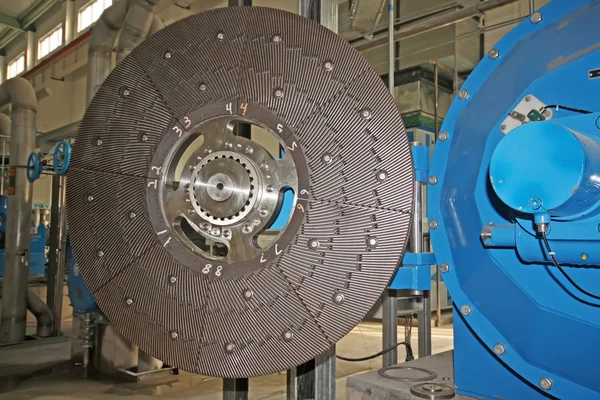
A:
545	167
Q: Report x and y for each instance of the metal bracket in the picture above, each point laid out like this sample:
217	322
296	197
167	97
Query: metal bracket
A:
415	272
528	110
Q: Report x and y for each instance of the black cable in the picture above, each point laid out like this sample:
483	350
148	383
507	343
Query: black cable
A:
558	106
562	271
409	353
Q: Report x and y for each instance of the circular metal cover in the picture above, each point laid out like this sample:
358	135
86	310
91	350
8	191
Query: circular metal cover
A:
347	160
432	391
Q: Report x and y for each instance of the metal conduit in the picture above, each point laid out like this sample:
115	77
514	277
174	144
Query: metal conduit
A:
434	22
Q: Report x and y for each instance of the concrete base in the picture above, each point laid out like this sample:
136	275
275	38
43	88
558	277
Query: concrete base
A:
372	386
26	358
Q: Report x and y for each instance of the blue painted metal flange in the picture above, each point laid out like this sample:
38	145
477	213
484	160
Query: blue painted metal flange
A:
530	310
415	272
62	157
34	167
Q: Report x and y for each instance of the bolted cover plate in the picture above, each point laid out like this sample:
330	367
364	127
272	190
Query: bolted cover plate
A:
166	202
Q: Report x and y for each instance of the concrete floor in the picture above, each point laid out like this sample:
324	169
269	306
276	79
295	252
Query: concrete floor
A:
363	340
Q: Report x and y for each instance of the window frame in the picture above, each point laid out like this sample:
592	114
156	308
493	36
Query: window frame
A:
89	8
48	36
19	57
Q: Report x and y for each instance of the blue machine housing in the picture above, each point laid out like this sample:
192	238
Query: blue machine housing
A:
546	328
81	298
37	249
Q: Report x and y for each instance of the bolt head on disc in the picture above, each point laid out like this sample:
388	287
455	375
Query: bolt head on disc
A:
146	208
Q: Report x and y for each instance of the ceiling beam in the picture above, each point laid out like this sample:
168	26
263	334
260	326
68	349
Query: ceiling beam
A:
10	22
26	21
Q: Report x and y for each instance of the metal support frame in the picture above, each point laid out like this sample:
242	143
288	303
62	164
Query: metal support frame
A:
316	378
411	29
390	301
237	389
57	253
413	279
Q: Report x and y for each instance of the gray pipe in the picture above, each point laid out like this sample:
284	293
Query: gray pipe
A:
101	45
4	125
42	314
4	135
21	95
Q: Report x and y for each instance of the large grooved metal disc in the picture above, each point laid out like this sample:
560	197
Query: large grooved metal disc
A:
264	310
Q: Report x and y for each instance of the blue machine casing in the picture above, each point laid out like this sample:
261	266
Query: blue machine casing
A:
37	249
546	328
81	298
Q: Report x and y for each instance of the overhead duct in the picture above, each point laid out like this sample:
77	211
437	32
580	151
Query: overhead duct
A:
19	93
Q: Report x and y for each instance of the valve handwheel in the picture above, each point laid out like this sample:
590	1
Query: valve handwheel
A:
34	167
62	157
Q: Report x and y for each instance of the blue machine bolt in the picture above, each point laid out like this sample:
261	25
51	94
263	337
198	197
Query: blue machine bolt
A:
535	203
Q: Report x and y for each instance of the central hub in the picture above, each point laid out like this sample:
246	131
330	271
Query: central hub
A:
222	187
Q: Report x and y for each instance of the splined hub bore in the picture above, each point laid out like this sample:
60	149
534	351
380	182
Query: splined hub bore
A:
170	209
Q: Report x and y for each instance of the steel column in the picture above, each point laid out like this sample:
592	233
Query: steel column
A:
70	22
30	53
316	378
390	301
3	65
237	389
57	254
416	242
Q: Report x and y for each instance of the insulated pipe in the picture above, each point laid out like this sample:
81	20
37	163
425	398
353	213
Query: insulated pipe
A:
4	125
4	134
157	25
138	25
42	313
101	44
19	93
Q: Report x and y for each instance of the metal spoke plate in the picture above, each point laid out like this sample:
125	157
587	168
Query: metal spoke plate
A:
347	160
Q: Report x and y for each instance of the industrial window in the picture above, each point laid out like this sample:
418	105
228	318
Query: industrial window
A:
16	66
89	13
50	42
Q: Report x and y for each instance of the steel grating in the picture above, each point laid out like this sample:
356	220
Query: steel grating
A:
347	161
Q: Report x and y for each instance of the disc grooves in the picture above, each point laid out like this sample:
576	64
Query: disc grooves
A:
321	274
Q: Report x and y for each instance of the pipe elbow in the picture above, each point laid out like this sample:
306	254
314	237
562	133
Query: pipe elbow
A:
107	28
138	25
20	93
42	313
